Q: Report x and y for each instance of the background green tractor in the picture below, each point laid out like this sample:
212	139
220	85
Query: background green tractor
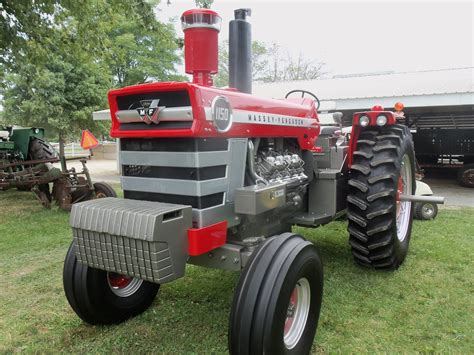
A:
26	163
24	143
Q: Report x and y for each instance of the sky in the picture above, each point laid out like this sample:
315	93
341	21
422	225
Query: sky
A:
355	36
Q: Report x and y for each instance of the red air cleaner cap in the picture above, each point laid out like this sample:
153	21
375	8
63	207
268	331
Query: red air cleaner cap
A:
201	28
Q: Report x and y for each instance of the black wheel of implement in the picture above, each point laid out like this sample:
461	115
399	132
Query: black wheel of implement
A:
426	211
466	175
101	297
379	223
102	189
278	299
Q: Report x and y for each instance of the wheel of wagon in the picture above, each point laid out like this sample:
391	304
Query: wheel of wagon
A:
101	190
379	223
101	297
278	299
426	211
466	175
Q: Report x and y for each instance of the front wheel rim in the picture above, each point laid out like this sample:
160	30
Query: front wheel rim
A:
123	286
297	313
404	186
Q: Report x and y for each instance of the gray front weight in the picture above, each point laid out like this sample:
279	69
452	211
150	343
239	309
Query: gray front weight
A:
136	238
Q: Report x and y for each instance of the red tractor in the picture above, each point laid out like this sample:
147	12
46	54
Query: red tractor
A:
218	177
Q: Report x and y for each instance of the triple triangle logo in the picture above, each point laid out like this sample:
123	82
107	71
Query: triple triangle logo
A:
150	114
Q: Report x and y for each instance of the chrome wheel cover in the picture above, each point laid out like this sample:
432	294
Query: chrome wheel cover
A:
297	313
125	289
404	207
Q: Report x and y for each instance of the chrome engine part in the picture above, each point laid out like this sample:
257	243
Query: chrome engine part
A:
274	166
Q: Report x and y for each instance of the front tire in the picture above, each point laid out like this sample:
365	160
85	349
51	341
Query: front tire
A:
101	297
278	298
379	223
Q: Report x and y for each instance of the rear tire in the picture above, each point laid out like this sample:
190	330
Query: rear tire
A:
383	163
100	297
466	175
40	149
278	298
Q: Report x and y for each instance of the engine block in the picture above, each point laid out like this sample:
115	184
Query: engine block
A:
274	166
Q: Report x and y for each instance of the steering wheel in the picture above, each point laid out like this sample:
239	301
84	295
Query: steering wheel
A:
302	95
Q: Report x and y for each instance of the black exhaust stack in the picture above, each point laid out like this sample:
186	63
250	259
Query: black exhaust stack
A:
240	52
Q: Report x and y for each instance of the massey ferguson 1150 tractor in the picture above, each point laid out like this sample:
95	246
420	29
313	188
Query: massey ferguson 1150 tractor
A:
218	177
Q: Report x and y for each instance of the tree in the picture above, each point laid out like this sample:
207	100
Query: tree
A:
61	59
138	55
205	4
260	63
269	64
60	94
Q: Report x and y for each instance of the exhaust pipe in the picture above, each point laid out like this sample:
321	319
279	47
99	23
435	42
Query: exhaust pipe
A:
240	52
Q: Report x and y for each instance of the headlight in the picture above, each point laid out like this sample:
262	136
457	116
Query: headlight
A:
37	131
364	121
381	120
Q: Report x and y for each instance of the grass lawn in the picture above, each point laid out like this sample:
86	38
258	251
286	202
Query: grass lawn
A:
427	305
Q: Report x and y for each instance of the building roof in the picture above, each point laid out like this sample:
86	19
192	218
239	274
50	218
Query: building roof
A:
444	87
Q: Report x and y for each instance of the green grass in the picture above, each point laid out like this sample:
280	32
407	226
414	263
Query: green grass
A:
427	305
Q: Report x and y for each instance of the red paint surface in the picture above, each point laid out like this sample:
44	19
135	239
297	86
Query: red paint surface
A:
201	97
200	45
202	240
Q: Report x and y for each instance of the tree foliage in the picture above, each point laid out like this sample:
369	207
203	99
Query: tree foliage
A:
205	4
270	64
59	58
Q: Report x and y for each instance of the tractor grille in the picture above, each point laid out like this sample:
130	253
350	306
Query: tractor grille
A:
198	172
174	111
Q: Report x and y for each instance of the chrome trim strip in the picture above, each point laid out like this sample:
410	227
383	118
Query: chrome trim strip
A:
175	159
265	118
184	113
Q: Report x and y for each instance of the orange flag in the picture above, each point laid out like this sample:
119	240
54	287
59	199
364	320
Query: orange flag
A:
88	141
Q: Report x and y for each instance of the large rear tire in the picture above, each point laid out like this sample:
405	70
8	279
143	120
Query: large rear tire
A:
101	297
278	299
40	149
379	223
